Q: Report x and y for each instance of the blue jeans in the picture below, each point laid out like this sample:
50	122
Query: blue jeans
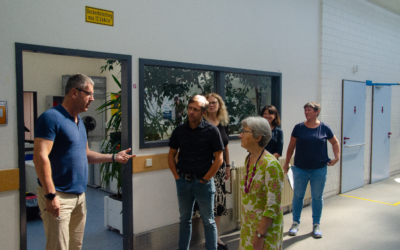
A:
317	178
189	191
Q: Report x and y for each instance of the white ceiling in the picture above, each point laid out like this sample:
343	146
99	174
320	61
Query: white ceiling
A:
390	5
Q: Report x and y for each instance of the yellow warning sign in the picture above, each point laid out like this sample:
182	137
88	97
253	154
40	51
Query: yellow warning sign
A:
99	16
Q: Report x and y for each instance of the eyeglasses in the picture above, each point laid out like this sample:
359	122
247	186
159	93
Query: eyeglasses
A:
245	131
84	91
213	103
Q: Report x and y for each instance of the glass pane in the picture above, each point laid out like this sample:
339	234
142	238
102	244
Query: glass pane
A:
166	94
245	95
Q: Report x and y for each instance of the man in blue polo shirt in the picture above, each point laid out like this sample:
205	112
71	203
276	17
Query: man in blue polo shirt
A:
61	157
198	142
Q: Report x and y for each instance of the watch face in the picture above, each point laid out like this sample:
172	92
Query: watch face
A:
50	196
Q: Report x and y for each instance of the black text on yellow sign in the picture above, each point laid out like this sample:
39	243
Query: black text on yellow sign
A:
99	16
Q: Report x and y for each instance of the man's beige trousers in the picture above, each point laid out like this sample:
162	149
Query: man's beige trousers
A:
65	232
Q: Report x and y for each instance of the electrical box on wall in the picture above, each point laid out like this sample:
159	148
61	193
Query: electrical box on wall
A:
99	87
52	101
3	112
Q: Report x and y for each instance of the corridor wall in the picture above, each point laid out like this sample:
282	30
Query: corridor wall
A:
314	44
358	33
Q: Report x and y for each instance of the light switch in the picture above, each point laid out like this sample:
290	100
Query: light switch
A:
149	162
3	113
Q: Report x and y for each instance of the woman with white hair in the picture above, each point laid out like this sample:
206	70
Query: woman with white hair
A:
261	189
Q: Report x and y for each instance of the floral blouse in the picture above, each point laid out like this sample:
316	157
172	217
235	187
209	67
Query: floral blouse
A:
264	199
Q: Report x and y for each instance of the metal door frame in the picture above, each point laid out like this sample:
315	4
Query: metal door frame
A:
126	106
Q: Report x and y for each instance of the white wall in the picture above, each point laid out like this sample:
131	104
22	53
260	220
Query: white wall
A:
262	35
358	33
269	35
277	36
9	219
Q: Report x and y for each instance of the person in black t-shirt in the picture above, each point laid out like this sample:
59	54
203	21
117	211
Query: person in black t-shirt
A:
198	142
275	145
218	116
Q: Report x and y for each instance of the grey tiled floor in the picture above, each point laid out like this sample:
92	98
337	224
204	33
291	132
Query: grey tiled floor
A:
96	236
347	223
372	222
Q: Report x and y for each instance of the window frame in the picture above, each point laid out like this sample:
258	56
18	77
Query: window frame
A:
219	87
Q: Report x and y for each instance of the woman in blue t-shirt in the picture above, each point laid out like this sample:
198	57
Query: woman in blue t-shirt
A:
275	145
310	138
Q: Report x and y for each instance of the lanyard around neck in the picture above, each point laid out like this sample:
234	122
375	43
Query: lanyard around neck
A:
247	187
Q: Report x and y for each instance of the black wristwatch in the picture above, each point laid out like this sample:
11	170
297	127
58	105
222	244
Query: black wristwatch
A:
204	180
50	196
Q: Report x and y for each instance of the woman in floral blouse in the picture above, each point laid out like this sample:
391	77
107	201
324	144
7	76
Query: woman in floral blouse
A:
261	189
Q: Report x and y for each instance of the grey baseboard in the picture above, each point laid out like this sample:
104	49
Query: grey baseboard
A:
395	172
168	237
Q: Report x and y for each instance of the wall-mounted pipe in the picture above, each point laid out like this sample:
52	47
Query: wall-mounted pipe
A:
369	83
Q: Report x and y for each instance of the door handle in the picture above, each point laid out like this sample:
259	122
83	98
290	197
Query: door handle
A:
344	139
357	145
389	134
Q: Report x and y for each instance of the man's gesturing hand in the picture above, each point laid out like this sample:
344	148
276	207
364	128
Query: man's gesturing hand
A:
123	157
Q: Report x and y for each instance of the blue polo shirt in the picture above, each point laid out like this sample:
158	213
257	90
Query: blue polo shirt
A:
196	147
69	163
311	145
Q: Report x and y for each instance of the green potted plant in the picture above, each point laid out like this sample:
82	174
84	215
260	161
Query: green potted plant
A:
112	143
110	171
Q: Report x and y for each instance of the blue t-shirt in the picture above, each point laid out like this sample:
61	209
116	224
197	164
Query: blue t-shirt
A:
311	146
275	145
69	163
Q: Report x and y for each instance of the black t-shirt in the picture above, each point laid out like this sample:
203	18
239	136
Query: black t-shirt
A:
223	130
196	147
275	145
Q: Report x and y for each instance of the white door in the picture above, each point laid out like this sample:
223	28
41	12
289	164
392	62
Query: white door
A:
380	146
353	135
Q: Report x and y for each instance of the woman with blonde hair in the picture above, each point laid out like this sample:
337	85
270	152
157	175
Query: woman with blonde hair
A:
218	116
